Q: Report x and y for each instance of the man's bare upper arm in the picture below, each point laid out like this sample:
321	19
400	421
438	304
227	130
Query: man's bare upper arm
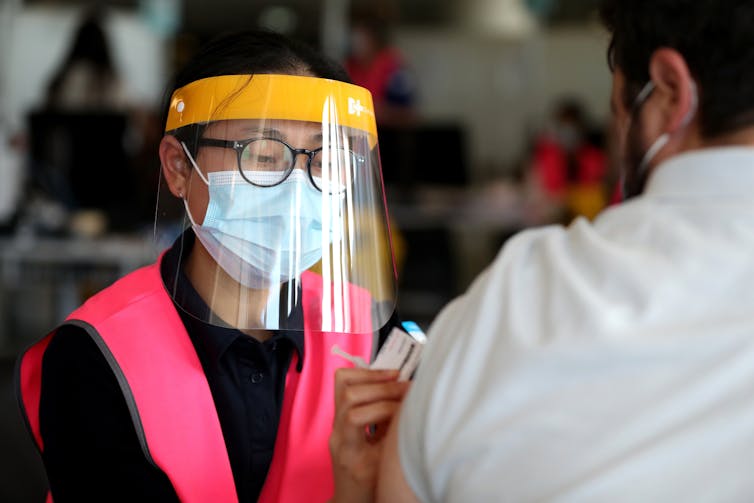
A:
391	484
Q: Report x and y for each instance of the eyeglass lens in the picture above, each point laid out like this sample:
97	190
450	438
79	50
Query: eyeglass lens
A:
269	161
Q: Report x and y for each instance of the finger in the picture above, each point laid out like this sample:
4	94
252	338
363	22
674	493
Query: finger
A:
346	376
364	394
358	418
379	430
353	395
357	375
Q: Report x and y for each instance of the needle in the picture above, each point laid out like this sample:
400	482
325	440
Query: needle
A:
356	360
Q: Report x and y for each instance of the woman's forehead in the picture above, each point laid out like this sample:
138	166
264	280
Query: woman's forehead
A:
246	128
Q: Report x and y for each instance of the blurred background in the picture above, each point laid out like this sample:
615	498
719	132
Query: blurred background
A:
492	118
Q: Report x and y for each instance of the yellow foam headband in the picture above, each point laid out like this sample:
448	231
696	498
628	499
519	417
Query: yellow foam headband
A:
266	96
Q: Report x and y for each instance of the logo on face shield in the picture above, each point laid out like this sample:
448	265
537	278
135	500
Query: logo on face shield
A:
355	107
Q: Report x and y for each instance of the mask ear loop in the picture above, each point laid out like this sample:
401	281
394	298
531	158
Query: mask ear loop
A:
638	101
199	172
193	163
658	145
664	138
643	94
692	109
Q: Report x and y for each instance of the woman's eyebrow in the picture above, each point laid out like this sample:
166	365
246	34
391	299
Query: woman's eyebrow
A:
268	132
350	138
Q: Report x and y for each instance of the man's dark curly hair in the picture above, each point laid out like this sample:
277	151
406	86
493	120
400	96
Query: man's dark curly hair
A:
715	37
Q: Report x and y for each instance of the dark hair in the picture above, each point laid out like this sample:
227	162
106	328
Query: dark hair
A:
572	110
90	45
376	25
716	39
248	53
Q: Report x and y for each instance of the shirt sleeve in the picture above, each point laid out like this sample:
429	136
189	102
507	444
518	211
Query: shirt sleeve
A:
411	445
420	423
91	451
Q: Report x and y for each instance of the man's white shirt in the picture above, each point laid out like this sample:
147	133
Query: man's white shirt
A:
607	361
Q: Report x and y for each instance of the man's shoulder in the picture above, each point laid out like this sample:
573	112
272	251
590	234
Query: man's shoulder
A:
531	291
583	282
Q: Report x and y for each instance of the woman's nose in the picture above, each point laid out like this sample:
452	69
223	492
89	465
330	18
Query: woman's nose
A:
302	161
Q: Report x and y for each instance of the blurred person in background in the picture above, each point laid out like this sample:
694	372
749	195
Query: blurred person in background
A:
375	63
87	105
613	360
567	170
87	78
210	375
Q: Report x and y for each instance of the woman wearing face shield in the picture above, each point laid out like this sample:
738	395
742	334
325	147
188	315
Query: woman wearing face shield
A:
211	375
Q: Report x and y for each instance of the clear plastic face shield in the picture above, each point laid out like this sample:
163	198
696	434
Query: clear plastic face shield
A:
286	200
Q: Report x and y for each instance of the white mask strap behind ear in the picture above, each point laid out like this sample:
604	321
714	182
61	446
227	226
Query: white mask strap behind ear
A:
692	108
188	212
664	138
185	201
193	163
643	94
653	150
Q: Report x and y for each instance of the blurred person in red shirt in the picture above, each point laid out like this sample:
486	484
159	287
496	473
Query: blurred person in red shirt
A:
374	63
568	167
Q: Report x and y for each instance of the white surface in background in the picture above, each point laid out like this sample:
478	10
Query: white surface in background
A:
509	18
34	42
501	88
11	178
40	40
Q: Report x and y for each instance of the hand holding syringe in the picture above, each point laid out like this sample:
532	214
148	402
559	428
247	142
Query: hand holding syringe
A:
401	351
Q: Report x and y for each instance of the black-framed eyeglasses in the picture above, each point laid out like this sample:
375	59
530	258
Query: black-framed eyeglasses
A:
266	162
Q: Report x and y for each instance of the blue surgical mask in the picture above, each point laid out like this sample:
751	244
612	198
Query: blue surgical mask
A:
262	235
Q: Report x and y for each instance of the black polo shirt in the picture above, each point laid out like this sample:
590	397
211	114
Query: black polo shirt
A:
91	451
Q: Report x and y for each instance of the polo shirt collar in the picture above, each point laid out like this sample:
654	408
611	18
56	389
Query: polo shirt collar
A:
214	339
712	172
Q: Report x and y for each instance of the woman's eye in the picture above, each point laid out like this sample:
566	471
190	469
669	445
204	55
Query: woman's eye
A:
266	159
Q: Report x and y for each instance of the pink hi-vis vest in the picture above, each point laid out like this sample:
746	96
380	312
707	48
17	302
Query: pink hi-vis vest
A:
137	328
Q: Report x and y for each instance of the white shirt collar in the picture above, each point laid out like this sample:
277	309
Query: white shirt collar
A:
719	171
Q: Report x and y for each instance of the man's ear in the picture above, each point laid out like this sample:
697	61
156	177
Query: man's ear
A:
175	166
674	86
